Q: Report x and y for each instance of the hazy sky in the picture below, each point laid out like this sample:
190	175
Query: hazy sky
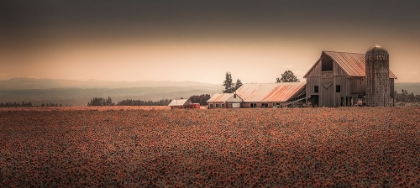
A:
199	40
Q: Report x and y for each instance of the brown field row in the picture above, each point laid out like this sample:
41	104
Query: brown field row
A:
132	147
85	108
92	108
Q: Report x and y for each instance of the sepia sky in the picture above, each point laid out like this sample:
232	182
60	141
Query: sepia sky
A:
199	40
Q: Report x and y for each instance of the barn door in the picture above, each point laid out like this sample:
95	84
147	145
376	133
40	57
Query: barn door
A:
327	94
315	100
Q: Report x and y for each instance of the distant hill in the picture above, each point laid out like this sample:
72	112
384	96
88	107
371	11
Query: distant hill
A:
76	93
33	83
410	87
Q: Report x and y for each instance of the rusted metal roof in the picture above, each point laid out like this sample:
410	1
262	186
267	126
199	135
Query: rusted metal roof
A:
270	92
352	63
224	97
220	97
178	102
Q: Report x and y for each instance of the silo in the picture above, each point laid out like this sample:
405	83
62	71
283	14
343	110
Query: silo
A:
377	76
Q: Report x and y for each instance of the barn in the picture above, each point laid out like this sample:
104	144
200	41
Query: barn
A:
269	95
180	103
344	79
225	100
261	95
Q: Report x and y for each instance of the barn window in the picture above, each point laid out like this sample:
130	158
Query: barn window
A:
337	88
211	105
253	105
316	89
327	64
223	105
217	105
264	105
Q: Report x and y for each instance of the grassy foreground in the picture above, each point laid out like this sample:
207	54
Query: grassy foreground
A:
300	147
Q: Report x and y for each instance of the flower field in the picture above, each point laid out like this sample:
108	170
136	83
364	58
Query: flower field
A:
131	147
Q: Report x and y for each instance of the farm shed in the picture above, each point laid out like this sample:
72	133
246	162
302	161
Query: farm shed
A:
268	95
339	79
225	100
180	103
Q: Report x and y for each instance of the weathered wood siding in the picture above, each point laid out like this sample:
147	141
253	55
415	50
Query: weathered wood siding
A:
326	89
358	85
313	79
316	70
391	87
311	82
343	80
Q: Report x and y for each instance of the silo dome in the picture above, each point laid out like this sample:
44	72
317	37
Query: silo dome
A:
376	50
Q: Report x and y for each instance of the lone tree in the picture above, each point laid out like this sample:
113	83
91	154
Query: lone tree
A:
228	83
287	76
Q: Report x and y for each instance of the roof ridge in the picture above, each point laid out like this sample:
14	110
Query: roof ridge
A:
343	52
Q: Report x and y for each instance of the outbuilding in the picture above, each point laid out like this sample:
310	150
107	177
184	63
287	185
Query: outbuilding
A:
269	95
180	103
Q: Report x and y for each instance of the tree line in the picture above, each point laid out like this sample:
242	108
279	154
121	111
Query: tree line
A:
26	104
201	99
131	102
51	104
404	96
16	104
99	101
